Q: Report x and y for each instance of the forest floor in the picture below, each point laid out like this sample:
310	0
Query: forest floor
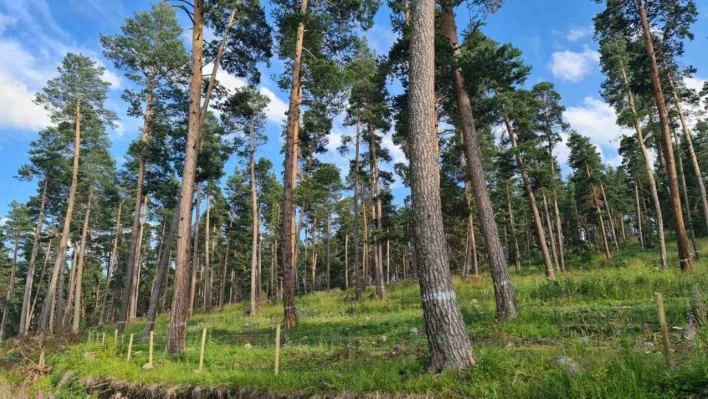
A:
593	333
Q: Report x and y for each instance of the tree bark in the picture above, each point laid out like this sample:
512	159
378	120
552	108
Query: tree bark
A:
694	161
137	267
512	227
609	216
222	294
376	189
598	208
61	248
549	226
448	341
127	304
80	265
195	251
532	203
287	232
111	264
163	267
346	261
208	273
329	246
357	267
684	250
254	217
686	204
639	216
39	286
180	299
648	166
29	281
471	244
10	288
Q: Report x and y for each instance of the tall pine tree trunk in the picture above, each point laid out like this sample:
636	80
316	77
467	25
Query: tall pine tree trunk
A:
61	248
512	227
195	252
10	288
694	159
287	232
208	274
47	254
684	250
550	274
254	217
639	216
448	341
163	267
598	209
378	222
357	267
686	204
504	291
80	266
648	167
129	289
137	267
111	265
29	280
180	299
609	216
549	226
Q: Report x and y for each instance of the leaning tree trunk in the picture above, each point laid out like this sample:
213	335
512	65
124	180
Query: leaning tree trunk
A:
80	265
686	204
694	159
609	216
448	341
549	226
180	300
532	203
559	225
137	269
47	254
598	208
61	249
11	288
648	167
29	280
505	296
287	233
471	242
111	265
162	270
684	249
639	216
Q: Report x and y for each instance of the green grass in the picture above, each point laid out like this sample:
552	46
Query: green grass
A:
337	346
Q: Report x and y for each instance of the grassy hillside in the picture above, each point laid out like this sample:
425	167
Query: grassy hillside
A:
600	315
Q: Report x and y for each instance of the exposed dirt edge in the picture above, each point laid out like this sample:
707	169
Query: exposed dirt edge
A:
106	388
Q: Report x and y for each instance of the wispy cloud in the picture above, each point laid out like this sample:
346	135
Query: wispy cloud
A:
573	66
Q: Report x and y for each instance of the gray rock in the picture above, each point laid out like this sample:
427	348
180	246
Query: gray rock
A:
248	346
148	366
568	364
414	331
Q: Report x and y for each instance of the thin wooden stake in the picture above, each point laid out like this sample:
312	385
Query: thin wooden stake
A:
201	351
150	351
130	346
115	337
666	343
277	349
103	338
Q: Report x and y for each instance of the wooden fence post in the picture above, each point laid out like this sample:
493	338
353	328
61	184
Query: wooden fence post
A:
103	338
130	346
201	351
115	337
277	349
666	343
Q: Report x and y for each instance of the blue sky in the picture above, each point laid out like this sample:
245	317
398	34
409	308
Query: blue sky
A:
554	35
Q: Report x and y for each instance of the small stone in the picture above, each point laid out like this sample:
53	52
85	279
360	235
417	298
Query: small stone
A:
248	346
382	339
148	366
414	331
568	364
90	356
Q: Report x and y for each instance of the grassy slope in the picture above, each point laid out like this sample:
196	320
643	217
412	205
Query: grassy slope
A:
337	346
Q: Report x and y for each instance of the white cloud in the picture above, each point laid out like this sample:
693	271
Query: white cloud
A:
572	66
576	34
277	108
17	111
598	121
